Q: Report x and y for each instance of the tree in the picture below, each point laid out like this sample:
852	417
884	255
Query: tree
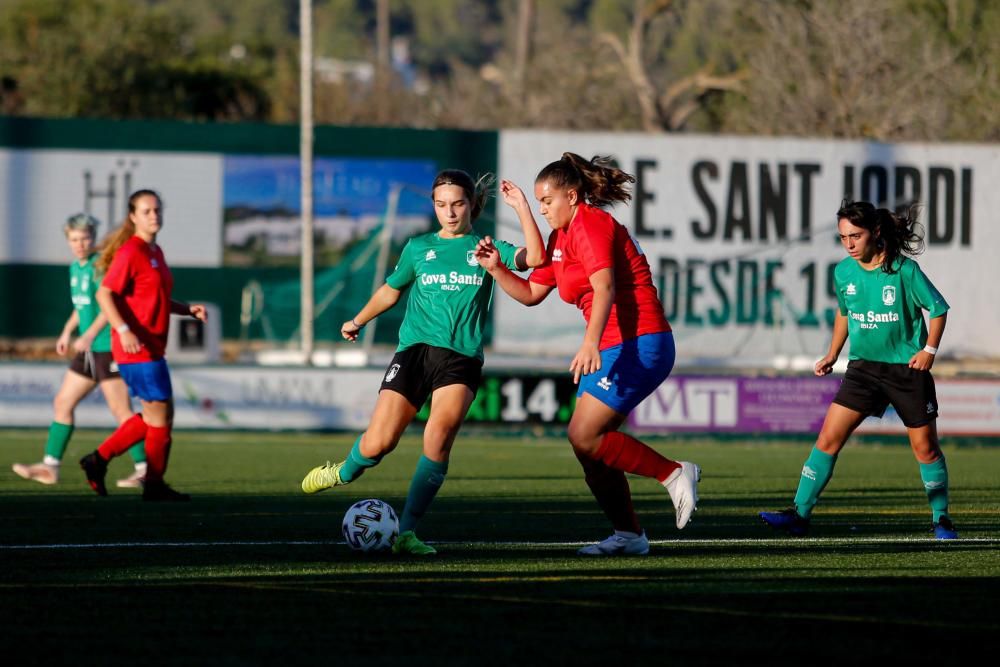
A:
848	69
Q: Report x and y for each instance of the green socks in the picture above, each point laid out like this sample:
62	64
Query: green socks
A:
59	435
427	480
138	452
935	478
816	472
356	463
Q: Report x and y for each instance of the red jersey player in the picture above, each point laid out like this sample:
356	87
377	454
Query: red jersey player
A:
627	350
136	298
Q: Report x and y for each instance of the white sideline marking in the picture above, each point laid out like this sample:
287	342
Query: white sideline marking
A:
540	545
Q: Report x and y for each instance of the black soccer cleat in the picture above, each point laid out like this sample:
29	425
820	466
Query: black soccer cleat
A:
160	492
96	468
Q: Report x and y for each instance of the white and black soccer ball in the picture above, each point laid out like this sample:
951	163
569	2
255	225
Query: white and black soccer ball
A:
370	525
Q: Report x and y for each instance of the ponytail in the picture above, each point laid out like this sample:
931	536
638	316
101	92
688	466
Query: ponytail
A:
597	181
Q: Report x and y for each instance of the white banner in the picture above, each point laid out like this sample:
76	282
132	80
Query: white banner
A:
41	188
740	232
211	398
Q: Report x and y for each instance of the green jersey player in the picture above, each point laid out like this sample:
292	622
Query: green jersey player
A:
882	296
91	366
440	353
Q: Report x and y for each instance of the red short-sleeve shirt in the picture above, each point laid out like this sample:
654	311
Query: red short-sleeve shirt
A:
142	284
593	241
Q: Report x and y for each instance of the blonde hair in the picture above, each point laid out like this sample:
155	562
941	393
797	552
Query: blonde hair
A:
81	221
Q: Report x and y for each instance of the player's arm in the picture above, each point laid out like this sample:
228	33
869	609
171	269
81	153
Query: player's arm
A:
195	310
532	254
83	343
588	357
384	298
72	322
106	300
825	365
524	291
924	359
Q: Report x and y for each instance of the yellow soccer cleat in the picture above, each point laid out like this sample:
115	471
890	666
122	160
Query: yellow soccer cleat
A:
323	477
408	544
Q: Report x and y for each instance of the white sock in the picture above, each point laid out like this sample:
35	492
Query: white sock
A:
50	460
626	534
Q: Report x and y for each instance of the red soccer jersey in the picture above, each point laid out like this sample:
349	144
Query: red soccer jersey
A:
142	284
594	241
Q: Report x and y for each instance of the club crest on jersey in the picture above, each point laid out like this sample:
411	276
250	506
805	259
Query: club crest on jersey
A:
470	258
557	255
888	295
153	263
393	372
430	255
851	289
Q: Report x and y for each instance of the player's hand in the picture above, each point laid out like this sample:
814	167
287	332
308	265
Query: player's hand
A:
487	254
82	344
512	195
130	342
824	366
586	361
199	312
349	330
922	361
62	345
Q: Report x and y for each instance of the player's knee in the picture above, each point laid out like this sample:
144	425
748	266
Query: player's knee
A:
377	443
63	408
585	442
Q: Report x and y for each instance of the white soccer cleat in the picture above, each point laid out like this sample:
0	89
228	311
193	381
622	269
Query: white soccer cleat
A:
682	486
133	481
40	472
617	545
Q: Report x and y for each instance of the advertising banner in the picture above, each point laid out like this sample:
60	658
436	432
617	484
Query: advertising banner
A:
740	234
251	398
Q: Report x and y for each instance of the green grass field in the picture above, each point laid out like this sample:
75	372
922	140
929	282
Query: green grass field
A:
254	572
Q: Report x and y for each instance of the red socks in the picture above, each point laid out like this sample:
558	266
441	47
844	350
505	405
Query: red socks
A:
130	432
623	452
157	452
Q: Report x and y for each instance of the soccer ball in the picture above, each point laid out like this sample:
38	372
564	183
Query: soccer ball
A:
370	525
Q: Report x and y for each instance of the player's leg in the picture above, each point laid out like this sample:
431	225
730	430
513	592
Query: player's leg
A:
74	388
449	405
116	396
934	475
159	418
817	470
392	414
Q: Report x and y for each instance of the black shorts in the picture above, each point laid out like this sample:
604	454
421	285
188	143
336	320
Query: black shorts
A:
417	371
871	386
98	366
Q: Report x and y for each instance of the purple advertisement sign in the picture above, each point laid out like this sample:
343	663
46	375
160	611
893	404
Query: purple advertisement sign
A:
737	405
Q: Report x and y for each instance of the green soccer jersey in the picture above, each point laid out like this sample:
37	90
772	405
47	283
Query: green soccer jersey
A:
885	320
83	289
450	295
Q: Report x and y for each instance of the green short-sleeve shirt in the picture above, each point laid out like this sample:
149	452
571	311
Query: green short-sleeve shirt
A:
451	294
885	320
83	290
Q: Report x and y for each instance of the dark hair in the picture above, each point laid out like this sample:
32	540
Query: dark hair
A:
477	192
597	181
894	233
117	238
